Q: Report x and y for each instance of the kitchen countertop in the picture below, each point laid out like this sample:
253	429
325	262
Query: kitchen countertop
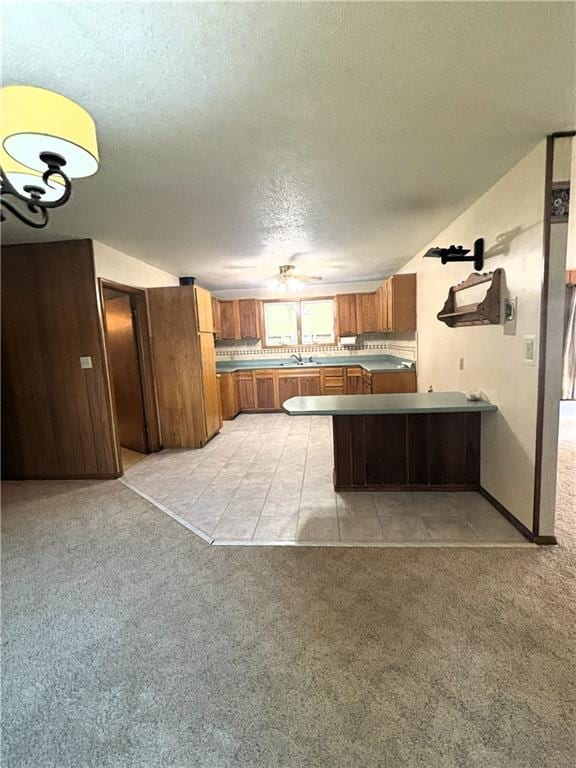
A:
373	364
409	402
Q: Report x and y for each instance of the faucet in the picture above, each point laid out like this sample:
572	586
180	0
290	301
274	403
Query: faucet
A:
298	358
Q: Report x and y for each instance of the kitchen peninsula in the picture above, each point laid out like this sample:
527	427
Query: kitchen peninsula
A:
408	441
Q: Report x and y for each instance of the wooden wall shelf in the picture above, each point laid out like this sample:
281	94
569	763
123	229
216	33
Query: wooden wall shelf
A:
485	312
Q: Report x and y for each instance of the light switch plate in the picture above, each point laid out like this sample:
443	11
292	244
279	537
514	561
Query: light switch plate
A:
529	350
86	362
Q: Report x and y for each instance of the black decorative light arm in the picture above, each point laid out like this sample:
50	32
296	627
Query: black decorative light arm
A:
35	205
459	253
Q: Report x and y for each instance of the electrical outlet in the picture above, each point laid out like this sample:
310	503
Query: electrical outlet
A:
461	363
86	362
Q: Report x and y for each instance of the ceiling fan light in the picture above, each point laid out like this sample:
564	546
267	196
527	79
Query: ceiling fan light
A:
36	120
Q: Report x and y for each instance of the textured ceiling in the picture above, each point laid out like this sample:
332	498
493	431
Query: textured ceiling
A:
234	135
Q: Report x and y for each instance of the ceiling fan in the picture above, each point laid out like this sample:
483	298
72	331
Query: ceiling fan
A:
289	279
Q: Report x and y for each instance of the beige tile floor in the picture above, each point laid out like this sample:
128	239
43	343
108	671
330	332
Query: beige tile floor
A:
267	479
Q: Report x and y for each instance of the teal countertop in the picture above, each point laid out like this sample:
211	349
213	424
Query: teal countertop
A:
361	405
373	364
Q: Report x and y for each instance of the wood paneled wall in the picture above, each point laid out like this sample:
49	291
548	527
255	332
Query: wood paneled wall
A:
57	417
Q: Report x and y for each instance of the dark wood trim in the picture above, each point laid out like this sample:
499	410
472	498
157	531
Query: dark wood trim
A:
139	302
526	532
415	488
545	540
21	478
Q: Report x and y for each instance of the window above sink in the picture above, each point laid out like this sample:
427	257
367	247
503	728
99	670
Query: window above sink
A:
299	323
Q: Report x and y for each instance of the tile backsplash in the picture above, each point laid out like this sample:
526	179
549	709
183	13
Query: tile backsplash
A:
400	344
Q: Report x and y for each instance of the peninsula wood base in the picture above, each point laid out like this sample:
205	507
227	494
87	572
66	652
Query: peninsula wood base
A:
420	451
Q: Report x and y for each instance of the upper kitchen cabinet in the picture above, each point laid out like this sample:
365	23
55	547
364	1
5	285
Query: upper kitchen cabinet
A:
239	319
398	303
249	317
347	314
229	320
368	312
204	310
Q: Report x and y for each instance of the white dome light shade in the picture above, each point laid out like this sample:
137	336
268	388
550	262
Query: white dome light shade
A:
35	120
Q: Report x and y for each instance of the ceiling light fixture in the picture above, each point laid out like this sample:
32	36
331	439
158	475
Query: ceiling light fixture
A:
289	280
41	133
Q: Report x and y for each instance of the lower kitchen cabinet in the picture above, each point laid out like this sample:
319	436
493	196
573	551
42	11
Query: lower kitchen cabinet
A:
267	389
393	381
354	381
229	395
310	385
288	386
246	391
265	386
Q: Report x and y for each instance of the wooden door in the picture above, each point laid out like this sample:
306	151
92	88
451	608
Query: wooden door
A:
229	321
368	312
125	373
346	314
178	366
265	391
204	310
210	386
249	315
354	381
393	381
246	392
310	385
287	388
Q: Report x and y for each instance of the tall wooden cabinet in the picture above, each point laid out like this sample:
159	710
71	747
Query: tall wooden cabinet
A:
185	364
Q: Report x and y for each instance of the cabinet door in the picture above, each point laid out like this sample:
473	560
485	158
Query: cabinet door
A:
310	385
248	311
402	303
204	310
287	388
366	383
229	324
265	392
246	393
210	385
368	312
354	381
346	313
216	317
229	395
393	381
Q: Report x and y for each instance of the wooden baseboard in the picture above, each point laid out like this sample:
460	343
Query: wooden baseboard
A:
416	488
526	532
545	540
22	478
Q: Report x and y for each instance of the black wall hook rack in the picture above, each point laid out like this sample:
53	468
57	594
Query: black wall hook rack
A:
459	253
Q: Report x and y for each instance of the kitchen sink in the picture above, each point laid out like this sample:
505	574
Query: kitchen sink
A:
294	364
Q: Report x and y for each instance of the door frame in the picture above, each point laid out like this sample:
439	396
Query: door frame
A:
139	306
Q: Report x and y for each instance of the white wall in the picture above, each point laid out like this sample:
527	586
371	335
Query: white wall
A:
121	268
510	218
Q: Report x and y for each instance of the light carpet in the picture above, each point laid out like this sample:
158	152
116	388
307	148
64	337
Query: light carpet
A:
130	642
